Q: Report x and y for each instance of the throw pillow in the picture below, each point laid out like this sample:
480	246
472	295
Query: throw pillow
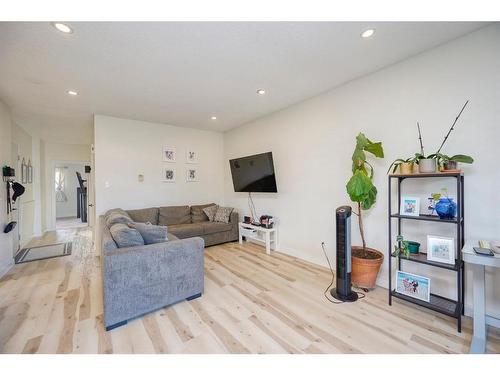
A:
117	218
150	233
125	236
210	212
223	214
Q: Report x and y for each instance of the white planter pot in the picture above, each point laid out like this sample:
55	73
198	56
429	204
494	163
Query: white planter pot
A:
427	165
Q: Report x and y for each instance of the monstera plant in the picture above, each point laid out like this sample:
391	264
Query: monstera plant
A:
366	262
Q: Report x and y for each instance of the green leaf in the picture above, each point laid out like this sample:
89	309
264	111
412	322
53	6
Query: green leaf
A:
375	149
370	198
462	159
359	186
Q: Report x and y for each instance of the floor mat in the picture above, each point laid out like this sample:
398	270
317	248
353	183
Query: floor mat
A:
43	252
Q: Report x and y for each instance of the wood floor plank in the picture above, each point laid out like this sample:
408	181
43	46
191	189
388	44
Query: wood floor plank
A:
252	303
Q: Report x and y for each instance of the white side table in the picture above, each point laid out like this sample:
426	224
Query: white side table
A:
477	263
260	234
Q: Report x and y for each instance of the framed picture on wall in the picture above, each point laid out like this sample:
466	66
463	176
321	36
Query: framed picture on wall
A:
415	286
441	249
191	156
169	154
30	173
410	206
191	175
24	172
168	174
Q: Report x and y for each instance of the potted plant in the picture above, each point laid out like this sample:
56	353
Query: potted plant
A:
425	164
366	262
448	163
405	247
444	205
405	165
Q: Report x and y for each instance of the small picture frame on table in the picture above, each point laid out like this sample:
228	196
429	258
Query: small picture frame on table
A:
410	206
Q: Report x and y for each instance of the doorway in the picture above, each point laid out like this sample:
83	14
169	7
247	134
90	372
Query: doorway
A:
70	199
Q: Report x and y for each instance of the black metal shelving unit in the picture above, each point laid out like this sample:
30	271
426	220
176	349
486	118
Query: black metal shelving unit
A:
443	305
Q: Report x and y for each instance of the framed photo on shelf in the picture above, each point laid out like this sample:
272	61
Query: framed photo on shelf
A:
169	154
410	206
191	175
415	286
168	174
191	157
441	249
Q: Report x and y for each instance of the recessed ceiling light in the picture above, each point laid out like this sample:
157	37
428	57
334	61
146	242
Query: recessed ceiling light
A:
72	92
368	33
62	27
213	118
261	91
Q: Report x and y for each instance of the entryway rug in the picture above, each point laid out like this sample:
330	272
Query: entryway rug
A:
43	252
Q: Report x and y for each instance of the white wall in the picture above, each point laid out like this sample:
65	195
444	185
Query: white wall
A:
51	153
126	148
6	259
69	207
312	144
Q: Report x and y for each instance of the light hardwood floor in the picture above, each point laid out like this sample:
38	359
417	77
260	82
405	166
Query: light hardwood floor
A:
253	303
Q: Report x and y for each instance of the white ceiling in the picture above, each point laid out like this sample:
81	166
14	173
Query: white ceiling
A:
183	73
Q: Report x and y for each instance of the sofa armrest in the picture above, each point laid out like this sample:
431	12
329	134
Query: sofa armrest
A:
234	218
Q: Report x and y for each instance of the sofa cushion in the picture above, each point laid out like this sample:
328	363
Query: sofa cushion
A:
186	230
211	227
223	214
151	233
145	215
114	211
125	236
107	241
197	214
117	218
210	212
172	215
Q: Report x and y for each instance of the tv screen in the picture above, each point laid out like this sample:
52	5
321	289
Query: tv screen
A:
254	174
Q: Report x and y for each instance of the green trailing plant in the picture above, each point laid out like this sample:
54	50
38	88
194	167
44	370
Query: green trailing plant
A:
402	247
360	186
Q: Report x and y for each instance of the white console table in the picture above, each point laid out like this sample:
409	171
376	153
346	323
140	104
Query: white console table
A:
260	234
477	263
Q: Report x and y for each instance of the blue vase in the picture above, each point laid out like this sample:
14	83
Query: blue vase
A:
446	208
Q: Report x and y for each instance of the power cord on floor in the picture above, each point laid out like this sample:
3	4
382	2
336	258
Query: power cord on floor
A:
325	293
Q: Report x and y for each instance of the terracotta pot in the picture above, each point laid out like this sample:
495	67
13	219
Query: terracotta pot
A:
365	271
406	168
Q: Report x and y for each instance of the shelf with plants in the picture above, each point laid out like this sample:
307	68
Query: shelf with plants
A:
414	288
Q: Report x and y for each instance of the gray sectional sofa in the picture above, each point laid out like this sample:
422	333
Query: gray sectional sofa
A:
141	279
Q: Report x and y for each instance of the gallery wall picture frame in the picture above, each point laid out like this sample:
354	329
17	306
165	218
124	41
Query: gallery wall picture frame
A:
24	172
191	156
414	286
30	173
410	206
441	249
169	154
168	174
191	174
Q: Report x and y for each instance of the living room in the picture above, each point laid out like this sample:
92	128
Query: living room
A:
251	187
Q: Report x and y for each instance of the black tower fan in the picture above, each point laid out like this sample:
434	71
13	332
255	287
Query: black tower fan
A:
343	290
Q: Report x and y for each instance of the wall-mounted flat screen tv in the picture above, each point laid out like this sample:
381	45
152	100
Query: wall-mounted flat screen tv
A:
254	174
